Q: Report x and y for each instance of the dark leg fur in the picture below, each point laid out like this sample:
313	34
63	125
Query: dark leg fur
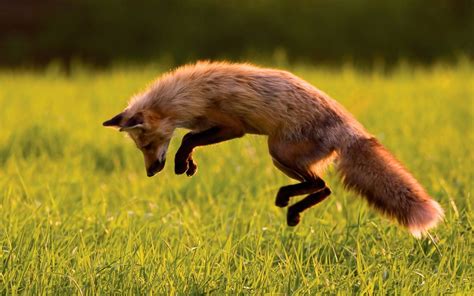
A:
285	192
192	167
293	215
316	186
296	160
184	160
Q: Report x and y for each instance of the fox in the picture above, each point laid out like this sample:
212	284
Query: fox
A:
306	131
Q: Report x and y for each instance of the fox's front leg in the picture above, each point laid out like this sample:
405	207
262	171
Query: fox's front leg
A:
184	159
184	162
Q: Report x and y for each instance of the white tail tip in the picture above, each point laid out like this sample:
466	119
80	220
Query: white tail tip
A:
425	217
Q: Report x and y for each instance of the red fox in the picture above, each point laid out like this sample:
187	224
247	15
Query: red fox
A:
306	131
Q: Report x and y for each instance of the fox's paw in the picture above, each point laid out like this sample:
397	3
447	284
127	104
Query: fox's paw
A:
192	168
282	199
292	217
180	166
185	165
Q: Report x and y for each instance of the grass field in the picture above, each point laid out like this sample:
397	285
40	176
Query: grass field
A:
79	216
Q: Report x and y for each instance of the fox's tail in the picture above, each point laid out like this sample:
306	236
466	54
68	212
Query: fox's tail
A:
368	168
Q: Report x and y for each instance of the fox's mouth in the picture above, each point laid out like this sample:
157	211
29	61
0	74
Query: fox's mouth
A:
155	168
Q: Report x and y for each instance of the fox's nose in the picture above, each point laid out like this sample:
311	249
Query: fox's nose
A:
156	167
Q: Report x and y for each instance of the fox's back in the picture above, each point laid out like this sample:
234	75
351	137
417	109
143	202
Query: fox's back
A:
266	100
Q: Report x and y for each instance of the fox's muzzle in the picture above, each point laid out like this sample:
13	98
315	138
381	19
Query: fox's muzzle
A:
155	168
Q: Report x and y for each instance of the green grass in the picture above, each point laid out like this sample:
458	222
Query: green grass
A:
79	216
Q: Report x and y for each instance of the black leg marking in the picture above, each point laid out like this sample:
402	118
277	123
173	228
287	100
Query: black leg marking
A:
183	159
293	215
285	192
192	167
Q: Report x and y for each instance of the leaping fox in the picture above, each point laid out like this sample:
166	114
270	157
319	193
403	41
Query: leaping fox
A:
306	130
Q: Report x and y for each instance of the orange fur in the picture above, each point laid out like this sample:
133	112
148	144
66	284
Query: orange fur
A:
306	129
368	168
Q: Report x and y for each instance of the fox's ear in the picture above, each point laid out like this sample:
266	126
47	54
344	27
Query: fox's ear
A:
134	122
115	121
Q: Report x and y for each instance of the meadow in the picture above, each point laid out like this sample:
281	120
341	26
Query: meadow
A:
79	216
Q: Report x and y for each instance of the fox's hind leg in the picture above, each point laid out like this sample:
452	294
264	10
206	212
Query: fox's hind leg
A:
184	159
309	184
300	161
294	211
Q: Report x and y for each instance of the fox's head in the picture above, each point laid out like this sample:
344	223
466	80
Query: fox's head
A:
150	131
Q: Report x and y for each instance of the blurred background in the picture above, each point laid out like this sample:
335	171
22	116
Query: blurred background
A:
79	216
364	32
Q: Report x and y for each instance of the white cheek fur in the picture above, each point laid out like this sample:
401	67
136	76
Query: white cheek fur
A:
161	151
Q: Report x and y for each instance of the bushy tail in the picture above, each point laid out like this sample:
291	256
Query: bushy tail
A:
368	168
